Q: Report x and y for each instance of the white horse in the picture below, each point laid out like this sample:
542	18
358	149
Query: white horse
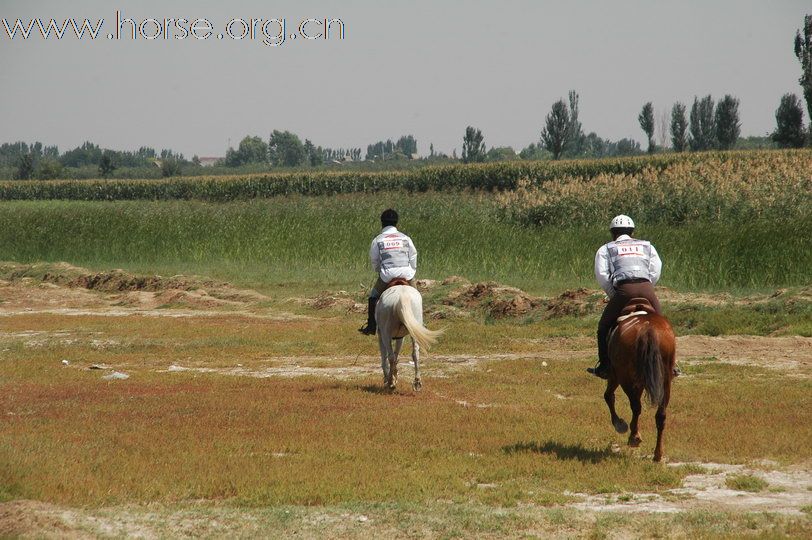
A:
400	313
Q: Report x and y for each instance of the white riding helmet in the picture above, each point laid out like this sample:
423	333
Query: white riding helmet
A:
621	222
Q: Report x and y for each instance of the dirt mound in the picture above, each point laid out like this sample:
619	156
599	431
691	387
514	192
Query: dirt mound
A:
119	280
455	280
67	275
575	302
497	300
500	301
61	285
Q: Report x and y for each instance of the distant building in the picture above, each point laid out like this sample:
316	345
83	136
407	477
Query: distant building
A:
209	161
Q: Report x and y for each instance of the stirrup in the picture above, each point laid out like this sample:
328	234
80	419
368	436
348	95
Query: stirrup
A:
599	371
368	330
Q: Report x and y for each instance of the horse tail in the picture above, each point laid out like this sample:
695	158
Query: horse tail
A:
424	337
650	364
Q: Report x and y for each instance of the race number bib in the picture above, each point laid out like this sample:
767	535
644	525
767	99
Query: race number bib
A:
634	250
392	243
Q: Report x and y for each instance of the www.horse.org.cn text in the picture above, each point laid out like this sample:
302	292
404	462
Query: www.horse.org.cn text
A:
272	32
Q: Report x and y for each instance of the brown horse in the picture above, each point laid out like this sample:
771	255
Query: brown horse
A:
642	357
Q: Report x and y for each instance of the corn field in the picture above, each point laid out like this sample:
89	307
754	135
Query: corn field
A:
765	185
565	177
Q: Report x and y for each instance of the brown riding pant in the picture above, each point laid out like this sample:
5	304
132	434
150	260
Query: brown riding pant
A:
623	293
380	285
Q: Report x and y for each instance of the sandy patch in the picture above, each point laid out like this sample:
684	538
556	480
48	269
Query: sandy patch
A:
791	355
787	492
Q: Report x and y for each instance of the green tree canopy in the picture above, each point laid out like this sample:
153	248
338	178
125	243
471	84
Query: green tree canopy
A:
556	132
679	127
727	122
106	164
501	153
286	149
789	119
25	166
803	51
473	147
702	124
646	119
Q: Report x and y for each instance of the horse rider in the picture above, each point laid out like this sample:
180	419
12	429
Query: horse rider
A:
625	268
393	256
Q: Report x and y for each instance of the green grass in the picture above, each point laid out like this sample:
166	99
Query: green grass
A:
325	240
746	482
789	317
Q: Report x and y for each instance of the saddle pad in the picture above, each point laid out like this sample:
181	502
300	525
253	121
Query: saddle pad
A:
637	304
632	314
397	281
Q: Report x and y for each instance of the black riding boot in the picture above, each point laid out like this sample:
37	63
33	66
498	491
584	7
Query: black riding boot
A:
371	327
602	369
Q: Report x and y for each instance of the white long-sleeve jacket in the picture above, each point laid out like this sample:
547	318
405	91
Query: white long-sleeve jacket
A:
393	255
606	276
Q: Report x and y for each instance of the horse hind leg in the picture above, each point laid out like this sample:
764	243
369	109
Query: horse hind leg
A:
659	418
383	344
393	363
637	406
609	396
418	384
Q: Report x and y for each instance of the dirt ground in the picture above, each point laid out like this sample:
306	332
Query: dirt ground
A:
65	290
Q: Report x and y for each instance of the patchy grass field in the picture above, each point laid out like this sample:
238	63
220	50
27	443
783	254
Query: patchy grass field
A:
245	403
268	417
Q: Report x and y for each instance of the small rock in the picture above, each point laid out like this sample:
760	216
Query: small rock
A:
116	375
65	362
97	366
363	519
544	364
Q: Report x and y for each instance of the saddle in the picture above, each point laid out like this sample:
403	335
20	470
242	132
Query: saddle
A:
635	307
397	281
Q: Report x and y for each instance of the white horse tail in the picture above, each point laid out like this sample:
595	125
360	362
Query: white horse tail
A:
424	337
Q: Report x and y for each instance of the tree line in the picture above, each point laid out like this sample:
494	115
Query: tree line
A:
45	162
709	126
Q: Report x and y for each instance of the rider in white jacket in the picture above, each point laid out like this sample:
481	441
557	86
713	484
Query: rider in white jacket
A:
393	256
625	268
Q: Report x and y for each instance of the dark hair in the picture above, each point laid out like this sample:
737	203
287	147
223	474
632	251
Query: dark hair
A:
618	231
389	217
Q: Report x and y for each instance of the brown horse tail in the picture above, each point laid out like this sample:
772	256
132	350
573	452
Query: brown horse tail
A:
650	364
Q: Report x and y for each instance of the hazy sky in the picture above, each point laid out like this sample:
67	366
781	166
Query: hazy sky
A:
427	68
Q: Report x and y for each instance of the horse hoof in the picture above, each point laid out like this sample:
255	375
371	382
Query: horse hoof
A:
634	442
620	426
417	385
658	458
